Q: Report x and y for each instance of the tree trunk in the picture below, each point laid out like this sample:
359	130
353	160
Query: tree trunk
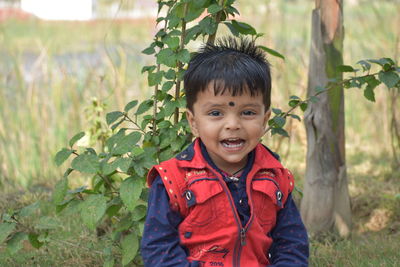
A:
326	202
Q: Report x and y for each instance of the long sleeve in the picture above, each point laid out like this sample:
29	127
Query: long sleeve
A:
290	240
160	243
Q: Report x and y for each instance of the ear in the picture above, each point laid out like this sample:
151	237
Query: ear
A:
192	123
267	115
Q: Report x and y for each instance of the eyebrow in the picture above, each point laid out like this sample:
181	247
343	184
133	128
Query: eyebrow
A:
217	105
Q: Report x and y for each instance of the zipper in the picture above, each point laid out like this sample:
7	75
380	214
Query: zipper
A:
242	230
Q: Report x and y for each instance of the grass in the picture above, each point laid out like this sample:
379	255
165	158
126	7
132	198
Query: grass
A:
45	102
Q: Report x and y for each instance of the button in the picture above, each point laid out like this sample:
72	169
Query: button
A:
240	201
279	195
188	195
188	234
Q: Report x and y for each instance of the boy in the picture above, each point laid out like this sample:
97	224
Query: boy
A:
226	199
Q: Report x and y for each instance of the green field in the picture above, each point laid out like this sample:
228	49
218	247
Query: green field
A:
52	74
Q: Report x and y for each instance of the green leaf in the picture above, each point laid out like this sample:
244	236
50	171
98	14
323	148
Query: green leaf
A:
148	68
60	191
155	78
149	50
47	223
33	239
62	156
130	246
303	106
15	243
277	111
365	65
183	56
125	144
139	212
144	106
389	78
167	85
29	210
369	94
233	30
113	116
164	124
214	8
314	99
208	25
130	105
345	68
279	131
109	262
167	57
86	163
75	138
93	209
280	121
5	230
172	42
271	52
293	102
294	116
319	89
130	191
243	28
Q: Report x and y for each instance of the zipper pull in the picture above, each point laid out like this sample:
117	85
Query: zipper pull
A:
243	236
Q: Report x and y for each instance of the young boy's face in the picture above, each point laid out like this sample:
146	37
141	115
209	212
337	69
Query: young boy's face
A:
229	126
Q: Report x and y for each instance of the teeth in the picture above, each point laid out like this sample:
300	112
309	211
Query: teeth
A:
232	145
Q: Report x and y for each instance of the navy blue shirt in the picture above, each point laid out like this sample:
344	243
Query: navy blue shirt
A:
161	247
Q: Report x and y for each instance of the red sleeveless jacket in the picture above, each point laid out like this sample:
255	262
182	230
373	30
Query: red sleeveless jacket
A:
211	229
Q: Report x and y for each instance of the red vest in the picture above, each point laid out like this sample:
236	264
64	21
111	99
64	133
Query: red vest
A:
211	229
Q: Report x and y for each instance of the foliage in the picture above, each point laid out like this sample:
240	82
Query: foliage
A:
151	131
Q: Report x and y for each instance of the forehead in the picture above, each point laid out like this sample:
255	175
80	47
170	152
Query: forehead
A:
226	97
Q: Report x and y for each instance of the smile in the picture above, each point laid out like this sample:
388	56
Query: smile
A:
232	143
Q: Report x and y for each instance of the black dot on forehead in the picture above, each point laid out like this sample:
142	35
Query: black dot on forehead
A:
231	103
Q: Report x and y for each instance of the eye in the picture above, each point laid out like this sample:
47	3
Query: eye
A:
214	113
248	113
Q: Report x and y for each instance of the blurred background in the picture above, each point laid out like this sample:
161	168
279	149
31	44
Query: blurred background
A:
65	63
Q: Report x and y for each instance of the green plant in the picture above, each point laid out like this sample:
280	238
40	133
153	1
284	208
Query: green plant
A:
151	131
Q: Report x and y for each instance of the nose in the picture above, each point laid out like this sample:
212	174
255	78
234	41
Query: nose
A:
232	122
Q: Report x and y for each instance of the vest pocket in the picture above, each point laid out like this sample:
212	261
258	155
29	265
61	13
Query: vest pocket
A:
267	201
202	210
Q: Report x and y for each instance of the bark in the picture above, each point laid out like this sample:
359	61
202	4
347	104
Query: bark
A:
326	202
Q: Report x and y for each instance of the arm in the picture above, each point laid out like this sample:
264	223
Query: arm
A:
290	240
160	242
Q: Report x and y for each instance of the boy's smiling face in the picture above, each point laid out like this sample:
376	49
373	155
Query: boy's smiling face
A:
229	126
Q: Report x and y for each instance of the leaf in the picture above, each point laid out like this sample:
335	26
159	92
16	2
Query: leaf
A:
148	68
86	163
243	28
75	138
126	143
233	30
62	156
369	94
113	116
47	223
277	111
345	68
93	209
33	239
149	50
144	106
214	8
130	105
164	124
172	42
279	131
183	56
208	25
167	57
294	116
154	78
15	243
303	106
60	191
5	230
29	210
130	246
319	89
272	52
293	103
279	121
314	99
130	191
365	65
167	85
389	78
139	212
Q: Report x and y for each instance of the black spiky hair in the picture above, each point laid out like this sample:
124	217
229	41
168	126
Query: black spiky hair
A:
233	64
